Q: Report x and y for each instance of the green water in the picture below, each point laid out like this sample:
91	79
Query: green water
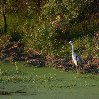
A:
46	83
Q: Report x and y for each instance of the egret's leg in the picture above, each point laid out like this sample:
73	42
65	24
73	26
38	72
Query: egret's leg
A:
77	69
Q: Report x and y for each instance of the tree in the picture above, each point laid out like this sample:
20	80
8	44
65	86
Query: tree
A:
3	8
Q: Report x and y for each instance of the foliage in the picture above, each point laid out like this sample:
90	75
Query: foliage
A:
47	25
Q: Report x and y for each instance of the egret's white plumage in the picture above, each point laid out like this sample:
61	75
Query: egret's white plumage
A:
76	58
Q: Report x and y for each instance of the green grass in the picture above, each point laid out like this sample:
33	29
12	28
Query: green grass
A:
25	82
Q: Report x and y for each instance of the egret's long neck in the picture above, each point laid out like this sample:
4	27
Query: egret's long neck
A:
72	49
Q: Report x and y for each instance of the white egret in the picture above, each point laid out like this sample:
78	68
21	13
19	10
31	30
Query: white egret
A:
76	58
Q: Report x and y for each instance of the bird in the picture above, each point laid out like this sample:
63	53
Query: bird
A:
76	58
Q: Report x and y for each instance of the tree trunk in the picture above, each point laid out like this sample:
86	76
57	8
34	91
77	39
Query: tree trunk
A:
3	8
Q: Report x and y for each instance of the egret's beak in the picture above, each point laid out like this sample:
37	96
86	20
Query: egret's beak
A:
65	42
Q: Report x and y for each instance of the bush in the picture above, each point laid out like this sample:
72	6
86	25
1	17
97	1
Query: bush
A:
48	26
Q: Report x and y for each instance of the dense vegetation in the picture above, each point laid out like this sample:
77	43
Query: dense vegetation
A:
48	25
